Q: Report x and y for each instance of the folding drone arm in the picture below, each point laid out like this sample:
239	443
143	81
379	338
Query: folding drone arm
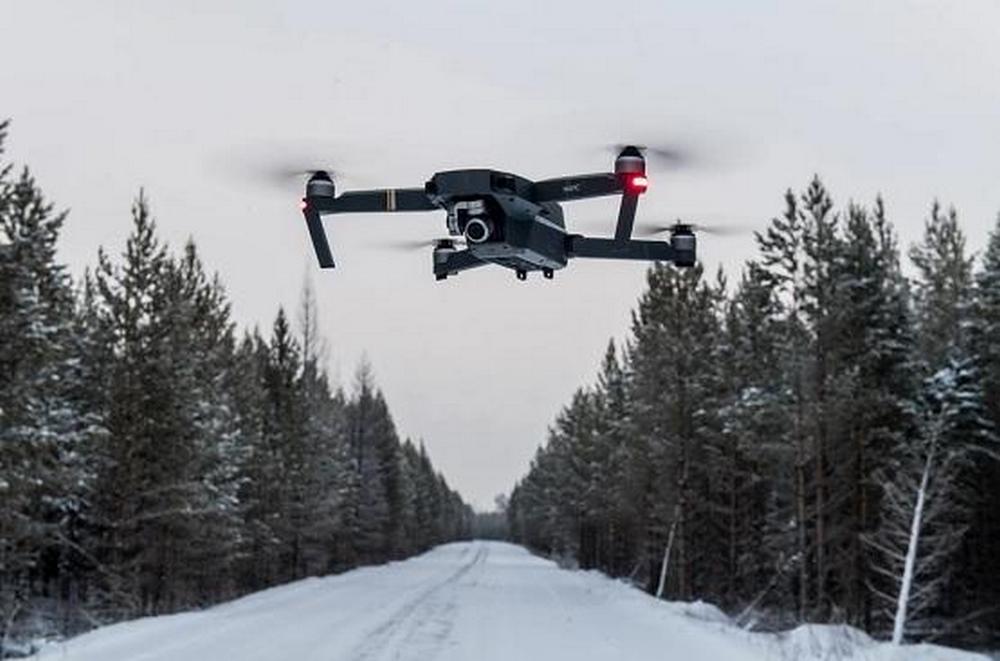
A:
317	203
318	235
681	250
578	187
373	201
630	185
585	246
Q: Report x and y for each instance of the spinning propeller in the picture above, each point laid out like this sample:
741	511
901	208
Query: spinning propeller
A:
660	157
420	244
717	229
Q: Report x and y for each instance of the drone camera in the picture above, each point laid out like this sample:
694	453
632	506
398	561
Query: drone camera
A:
471	218
478	229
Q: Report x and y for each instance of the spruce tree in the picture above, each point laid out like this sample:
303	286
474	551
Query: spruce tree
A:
783	263
757	492
875	353
166	500
977	575
258	470
285	438
674	379
45	429
943	288
369	514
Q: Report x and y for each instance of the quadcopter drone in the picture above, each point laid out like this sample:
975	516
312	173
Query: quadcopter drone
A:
505	219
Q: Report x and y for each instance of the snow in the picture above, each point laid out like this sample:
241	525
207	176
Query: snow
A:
487	601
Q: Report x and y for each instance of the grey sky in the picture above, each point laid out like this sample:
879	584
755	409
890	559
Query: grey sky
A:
891	96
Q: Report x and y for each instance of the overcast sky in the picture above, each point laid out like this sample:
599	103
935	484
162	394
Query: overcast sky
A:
184	98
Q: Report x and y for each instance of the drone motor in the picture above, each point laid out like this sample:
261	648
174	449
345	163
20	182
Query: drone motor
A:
683	241
320	185
630	162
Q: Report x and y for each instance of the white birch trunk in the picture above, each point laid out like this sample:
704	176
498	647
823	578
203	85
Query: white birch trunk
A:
666	558
899	624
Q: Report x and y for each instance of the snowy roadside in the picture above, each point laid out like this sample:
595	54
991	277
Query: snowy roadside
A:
808	642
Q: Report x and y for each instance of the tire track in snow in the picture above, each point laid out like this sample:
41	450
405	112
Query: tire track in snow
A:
420	627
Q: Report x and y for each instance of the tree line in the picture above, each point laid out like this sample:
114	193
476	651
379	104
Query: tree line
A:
808	443
153	458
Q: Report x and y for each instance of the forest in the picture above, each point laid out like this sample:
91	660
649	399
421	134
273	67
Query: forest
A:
813	441
156	458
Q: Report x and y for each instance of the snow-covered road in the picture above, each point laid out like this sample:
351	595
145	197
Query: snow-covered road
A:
476	601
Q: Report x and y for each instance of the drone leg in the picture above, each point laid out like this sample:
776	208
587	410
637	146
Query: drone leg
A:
522	274
441	276
547	273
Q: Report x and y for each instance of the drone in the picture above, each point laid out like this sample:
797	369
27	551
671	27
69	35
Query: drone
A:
505	219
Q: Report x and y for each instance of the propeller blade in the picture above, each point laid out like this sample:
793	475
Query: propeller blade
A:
409	245
282	167
285	173
661	157
716	229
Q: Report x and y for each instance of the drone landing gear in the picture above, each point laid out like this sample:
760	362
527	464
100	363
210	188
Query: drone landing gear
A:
523	274
441	276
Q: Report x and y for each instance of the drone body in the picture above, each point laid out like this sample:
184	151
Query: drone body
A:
508	220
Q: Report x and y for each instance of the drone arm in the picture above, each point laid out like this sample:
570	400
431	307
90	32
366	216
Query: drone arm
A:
583	246
630	186
563	189
387	200
374	201
626	215
318	235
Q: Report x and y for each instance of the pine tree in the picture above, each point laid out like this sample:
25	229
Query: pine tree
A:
45	431
258	470
203	354
285	438
977	575
943	290
368	426
166	494
875	352
753	420
428	501
783	263
674	379
986	327
623	455
325	474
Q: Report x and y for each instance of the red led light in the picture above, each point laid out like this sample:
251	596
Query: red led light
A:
638	183
303	205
